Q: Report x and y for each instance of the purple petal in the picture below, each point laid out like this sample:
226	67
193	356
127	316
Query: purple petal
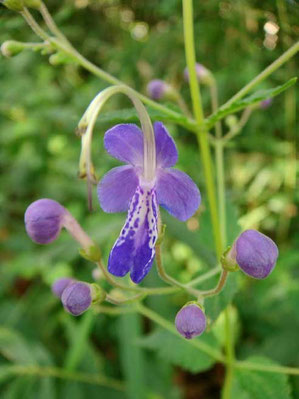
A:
117	188
166	152
135	247
125	142
60	285
177	193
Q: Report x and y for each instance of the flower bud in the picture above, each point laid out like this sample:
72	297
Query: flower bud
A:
44	220
11	48
14	5
255	253
203	74
60	285
32	3
157	89
266	103
76	298
190	321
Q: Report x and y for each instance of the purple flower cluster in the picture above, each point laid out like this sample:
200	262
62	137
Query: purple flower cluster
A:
76	296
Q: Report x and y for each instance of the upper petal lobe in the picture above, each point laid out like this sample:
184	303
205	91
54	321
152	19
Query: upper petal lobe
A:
117	188
125	142
166	152
177	193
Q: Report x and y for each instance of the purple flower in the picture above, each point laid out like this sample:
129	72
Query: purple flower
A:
76	298
157	89
202	73
266	103
255	253
190	321
127	188
44	220
59	286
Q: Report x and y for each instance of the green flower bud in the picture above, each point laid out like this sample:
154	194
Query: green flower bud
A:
11	48
61	58
14	5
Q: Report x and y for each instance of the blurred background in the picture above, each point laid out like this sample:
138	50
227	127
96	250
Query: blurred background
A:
40	106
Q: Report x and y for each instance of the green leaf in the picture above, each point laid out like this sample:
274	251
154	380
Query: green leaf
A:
174	350
247	101
14	348
262	385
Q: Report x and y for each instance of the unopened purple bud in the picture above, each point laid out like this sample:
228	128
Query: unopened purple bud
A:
202	73
44	220
60	285
190	321
255	253
157	89
266	103
76	298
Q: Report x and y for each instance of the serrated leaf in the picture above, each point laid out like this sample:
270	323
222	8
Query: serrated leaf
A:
262	385
174	350
247	101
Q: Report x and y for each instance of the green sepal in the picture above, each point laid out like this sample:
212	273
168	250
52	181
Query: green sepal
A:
197	303
92	253
98	295
228	264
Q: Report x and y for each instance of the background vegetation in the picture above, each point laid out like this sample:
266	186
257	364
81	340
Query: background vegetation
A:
40	106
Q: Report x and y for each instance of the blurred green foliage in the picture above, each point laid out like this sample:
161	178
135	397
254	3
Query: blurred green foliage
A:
40	106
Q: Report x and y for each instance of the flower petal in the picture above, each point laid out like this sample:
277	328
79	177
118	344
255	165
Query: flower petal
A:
125	142
177	193
135	247
117	188
166	152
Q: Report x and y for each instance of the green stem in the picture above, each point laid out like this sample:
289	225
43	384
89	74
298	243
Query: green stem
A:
94	379
220	285
169	326
52	25
204	277
266	368
264	74
202	134
239	126
230	356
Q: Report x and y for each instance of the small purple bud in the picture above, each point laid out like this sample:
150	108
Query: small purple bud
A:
266	103
76	298
157	89
202	73
255	253
60	285
44	220
190	321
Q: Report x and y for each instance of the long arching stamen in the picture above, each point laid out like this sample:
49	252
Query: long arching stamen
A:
86	126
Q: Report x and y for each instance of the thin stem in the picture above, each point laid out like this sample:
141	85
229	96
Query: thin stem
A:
266	368
219	164
51	24
264	74
113	310
94	379
239	126
202	133
204	277
125	301
230	356
220	285
34	25
202	346
168	279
